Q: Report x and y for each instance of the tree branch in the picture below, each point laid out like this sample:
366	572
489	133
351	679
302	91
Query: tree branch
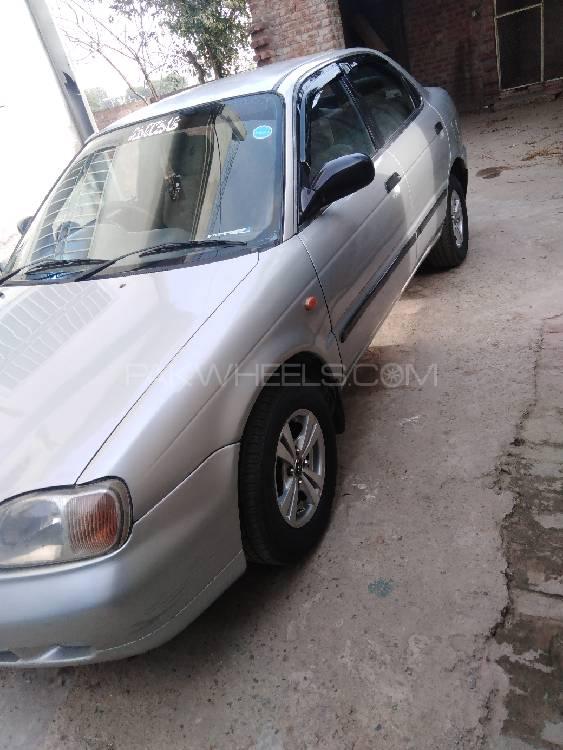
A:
98	51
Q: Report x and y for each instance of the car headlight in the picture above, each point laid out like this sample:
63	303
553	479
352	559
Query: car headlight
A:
64	525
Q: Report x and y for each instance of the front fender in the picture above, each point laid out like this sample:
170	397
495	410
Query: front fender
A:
201	401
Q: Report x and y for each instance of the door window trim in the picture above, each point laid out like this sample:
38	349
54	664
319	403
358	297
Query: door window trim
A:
314	83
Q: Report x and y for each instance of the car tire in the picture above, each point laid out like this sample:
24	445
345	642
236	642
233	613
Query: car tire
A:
451	249
283	510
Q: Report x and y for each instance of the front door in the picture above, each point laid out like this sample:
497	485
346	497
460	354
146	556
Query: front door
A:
354	241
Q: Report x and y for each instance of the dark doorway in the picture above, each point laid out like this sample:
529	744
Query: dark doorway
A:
529	41
378	24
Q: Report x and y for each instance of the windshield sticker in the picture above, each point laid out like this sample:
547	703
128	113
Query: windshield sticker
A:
155	128
262	132
242	230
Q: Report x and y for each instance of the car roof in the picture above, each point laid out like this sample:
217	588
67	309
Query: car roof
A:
260	80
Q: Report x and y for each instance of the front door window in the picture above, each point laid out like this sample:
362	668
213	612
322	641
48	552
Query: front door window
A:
335	127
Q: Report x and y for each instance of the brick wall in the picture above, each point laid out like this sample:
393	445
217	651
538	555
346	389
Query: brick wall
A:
105	117
452	44
291	28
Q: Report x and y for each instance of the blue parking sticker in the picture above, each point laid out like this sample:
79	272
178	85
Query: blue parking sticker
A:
262	132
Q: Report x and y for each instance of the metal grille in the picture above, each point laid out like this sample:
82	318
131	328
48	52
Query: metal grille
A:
528	45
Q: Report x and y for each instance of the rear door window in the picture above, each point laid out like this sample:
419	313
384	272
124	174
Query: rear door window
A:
386	97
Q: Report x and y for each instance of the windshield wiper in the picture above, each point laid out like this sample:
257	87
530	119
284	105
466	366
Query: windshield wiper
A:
55	263
164	247
50	264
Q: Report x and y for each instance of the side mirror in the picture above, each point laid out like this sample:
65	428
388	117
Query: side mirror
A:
23	224
337	179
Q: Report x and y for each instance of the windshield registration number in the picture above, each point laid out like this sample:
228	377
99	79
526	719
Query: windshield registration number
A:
155	128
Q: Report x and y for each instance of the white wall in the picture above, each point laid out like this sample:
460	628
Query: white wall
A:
37	135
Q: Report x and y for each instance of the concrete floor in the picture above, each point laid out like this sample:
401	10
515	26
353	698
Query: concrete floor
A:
528	644
382	639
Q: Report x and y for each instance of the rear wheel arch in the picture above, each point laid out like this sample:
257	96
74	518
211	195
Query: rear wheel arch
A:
459	170
451	248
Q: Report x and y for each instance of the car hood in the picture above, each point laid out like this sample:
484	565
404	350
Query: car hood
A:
75	357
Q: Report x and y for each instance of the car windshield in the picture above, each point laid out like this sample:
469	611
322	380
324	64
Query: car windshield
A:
193	182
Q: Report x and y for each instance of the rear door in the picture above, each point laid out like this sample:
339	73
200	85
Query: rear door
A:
353	242
413	132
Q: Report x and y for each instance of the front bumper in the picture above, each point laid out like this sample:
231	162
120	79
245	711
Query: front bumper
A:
180	557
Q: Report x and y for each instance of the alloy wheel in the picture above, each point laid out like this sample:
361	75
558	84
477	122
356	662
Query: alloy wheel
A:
300	468
456	214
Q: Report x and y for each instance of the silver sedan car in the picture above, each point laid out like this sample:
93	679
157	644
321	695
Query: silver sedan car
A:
176	325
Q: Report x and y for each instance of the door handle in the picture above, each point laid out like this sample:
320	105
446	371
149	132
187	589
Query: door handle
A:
438	127
392	182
